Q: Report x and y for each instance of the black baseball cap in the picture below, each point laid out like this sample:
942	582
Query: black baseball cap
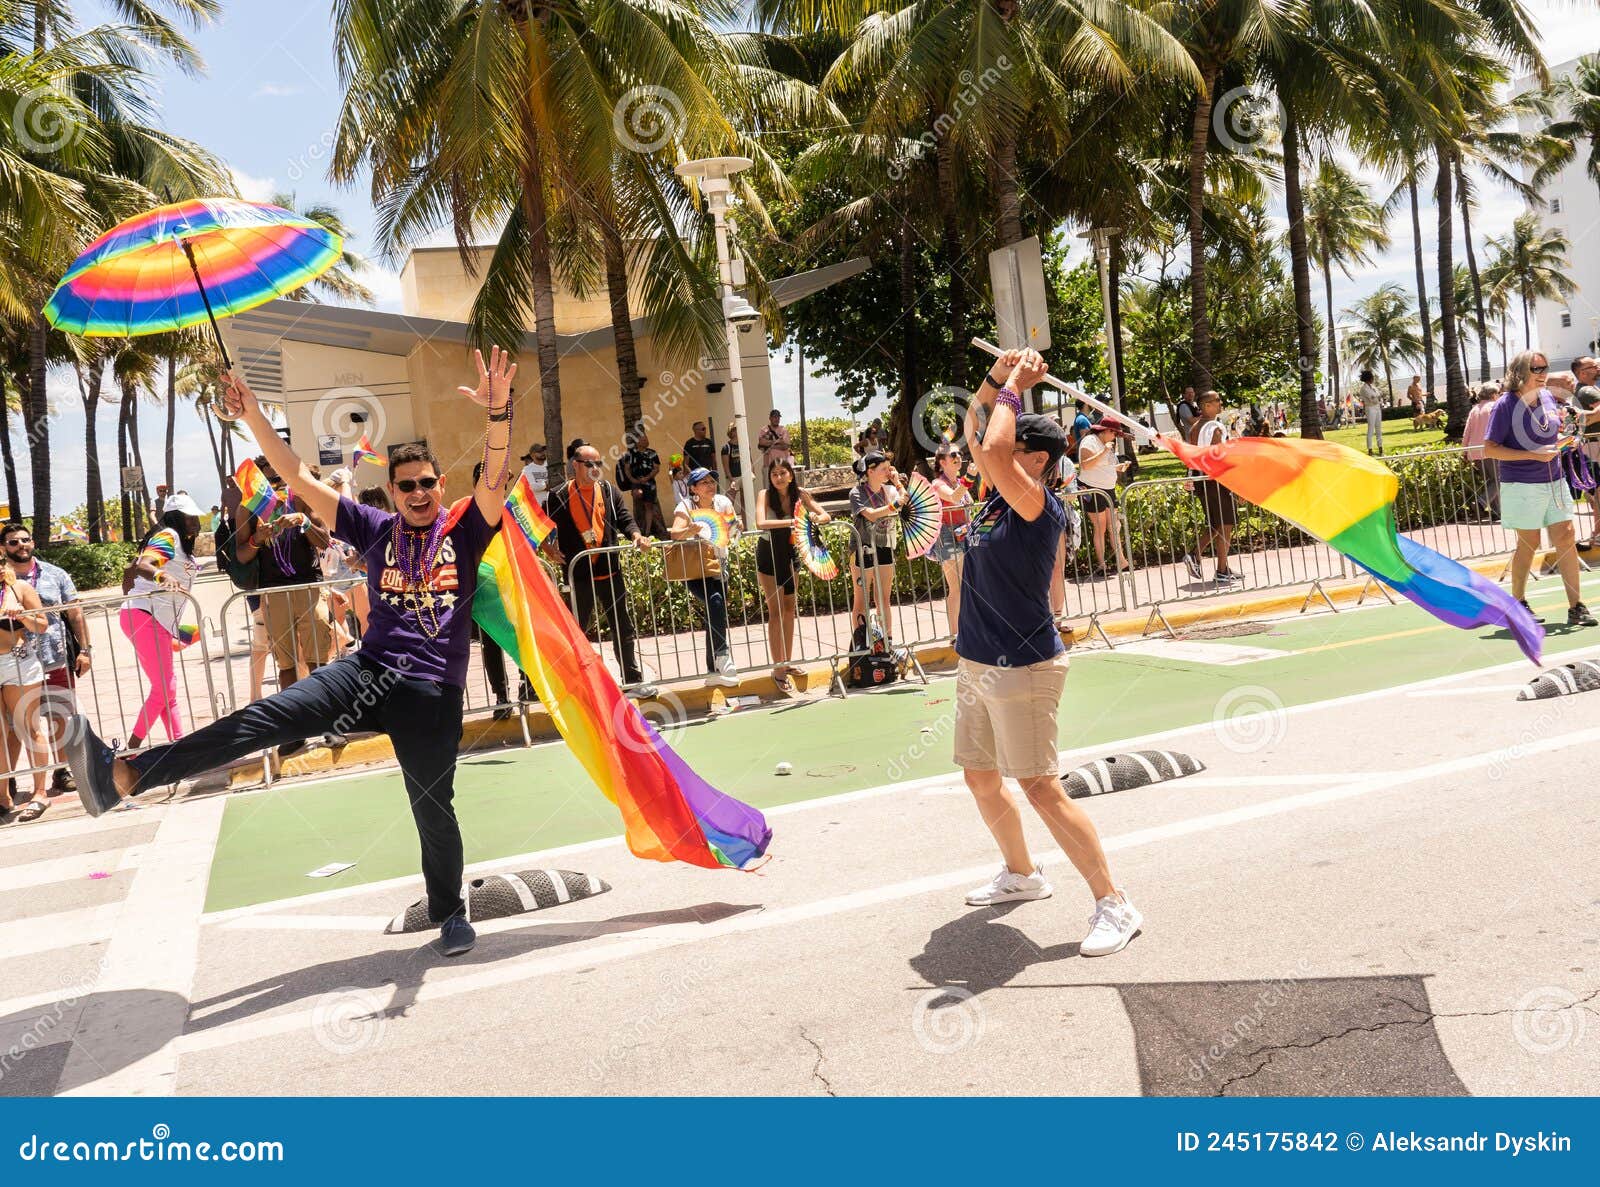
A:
1035	431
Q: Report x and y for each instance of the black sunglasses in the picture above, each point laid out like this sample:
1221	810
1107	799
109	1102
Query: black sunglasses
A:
590	465
1536	370
406	485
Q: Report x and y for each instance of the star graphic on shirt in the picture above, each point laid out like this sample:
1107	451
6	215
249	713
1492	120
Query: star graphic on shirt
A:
448	600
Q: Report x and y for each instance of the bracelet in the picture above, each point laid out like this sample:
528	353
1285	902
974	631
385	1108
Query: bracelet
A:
503	416
1009	399
990	380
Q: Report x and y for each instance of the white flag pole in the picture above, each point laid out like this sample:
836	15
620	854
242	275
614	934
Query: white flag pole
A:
1135	427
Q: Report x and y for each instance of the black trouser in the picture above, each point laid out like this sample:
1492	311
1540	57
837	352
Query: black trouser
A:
421	717
612	594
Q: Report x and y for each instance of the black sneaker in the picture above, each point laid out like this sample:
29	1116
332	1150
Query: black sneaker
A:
89	759
62	781
1523	602
457	937
1578	615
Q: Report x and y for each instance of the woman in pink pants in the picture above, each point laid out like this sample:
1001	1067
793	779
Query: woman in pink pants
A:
158	615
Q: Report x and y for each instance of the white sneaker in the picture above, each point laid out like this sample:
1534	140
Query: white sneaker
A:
1112	925
725	674
1006	887
1192	563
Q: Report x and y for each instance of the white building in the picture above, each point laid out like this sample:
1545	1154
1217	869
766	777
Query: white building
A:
1566	329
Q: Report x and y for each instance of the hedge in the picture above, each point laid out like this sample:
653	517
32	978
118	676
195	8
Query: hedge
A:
91	566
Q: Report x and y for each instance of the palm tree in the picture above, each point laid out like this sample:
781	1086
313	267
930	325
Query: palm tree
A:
1345	225
1383	330
1577	94
499	114
110	159
1530	262
1224	38
340	282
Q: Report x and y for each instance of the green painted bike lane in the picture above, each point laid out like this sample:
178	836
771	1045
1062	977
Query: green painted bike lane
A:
519	801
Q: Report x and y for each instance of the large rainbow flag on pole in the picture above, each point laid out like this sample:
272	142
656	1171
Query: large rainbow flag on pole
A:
1347	500
668	812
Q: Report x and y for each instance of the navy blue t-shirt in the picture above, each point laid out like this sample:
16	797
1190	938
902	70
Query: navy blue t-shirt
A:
1005	586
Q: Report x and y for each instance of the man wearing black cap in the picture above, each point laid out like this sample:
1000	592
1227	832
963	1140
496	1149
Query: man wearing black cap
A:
1012	667
537	467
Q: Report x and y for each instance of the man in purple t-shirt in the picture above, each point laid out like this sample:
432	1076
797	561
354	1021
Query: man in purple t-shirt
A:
407	679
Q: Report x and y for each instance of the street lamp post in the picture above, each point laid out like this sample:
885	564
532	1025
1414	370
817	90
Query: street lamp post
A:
713	174
1100	239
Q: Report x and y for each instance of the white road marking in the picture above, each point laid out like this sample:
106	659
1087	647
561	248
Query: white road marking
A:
79	826
673	935
1199	651
60	929
1476	690
58	869
951	781
124	1044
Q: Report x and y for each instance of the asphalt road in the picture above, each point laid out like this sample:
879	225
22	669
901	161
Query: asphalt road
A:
1387	888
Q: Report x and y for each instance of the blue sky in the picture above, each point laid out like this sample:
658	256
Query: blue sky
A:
267	105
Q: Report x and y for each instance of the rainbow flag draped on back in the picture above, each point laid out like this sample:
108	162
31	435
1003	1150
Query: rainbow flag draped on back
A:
668	812
1346	500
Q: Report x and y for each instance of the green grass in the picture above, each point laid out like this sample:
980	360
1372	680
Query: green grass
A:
1398	435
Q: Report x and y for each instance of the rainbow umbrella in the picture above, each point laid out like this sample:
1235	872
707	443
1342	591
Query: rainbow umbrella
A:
186	263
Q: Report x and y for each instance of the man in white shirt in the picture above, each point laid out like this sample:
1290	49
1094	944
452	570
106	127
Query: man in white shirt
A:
1222	513
538	470
1372	405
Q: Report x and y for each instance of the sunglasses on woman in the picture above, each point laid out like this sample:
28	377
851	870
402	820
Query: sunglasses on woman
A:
1540	370
406	485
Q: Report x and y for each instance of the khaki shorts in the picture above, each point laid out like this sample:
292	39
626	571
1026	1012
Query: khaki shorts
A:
297	627
1006	717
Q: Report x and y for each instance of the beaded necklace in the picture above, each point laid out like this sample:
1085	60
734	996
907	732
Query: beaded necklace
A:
416	565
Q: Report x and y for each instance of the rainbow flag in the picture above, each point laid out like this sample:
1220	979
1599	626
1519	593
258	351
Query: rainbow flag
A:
668	812
256	494
366	452
73	534
1346	500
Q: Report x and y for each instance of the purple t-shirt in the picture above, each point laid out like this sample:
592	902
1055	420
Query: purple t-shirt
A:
394	637
1517	425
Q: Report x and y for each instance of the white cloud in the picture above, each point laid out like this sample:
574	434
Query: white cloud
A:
254	189
274	90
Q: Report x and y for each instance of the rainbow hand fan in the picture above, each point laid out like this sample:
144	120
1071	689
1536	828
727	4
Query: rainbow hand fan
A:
808	543
919	516
718	527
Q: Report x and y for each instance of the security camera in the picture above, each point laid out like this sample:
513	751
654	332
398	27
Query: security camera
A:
739	311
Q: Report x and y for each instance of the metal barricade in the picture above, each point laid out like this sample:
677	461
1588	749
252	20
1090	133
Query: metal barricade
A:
1096	568
266	632
1177	531
167	692
1450	503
